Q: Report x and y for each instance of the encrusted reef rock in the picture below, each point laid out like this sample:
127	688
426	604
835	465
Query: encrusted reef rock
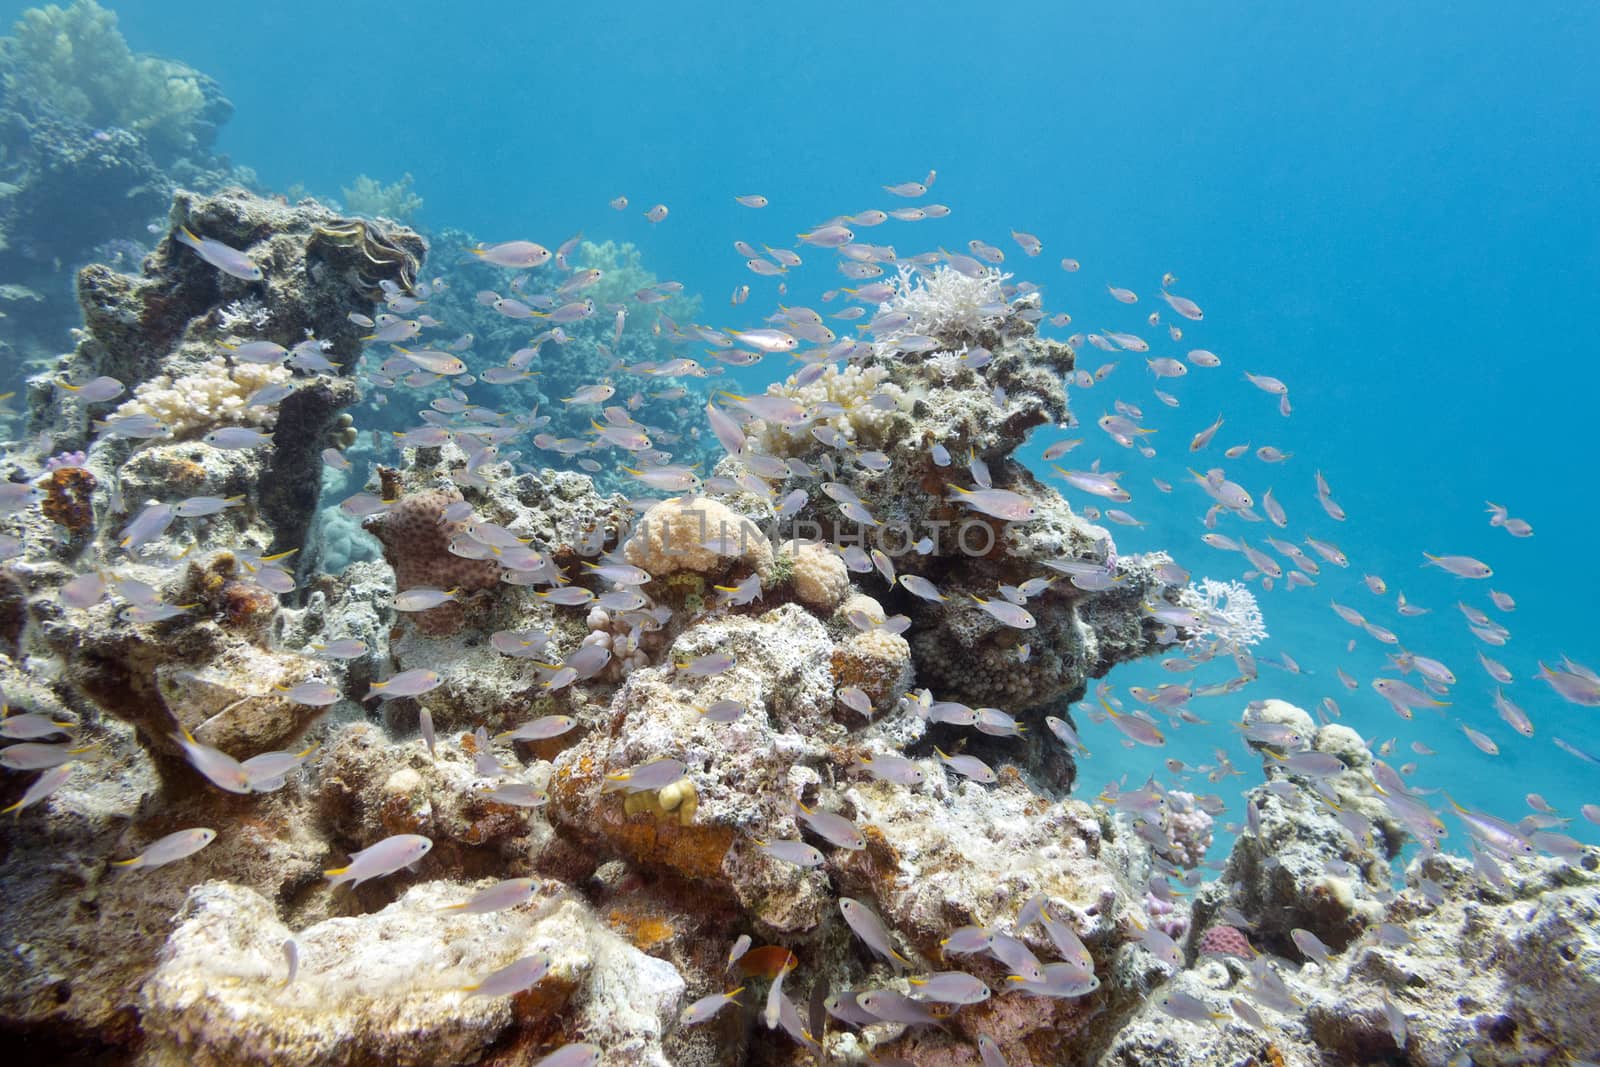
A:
563	521
905	405
1311	865
82	936
742	772
371	789
162	335
207	664
1506	974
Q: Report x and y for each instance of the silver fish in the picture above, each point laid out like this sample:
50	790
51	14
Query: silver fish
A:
44	785
502	895
219	768
871	930
170	849
513	978
383	858
580	1055
951	987
227	259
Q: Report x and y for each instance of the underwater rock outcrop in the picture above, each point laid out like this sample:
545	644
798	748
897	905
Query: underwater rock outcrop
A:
165	335
935	417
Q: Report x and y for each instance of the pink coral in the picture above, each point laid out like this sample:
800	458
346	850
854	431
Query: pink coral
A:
416	541
1226	941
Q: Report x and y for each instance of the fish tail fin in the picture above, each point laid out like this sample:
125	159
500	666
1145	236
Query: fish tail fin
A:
128	863
336	873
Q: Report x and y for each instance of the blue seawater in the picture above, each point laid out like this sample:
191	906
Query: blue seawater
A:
1393	208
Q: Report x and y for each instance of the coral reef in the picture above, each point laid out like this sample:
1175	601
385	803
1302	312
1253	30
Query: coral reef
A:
75	61
368	196
815	708
93	140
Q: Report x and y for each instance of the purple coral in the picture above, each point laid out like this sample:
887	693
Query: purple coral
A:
1169	917
66	459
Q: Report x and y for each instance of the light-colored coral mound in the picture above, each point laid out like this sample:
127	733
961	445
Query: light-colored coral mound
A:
820	577
698	535
216	394
389	987
864	424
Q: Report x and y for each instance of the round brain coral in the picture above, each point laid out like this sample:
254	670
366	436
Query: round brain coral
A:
821	579
696	534
876	661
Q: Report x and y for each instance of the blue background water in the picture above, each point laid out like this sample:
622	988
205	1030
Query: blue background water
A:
1396	211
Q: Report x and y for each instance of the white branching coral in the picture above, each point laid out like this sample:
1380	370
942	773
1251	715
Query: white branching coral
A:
215	394
247	316
856	401
1230	610
944	303
947	365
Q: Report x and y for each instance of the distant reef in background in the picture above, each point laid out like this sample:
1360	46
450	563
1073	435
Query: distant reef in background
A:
94	139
